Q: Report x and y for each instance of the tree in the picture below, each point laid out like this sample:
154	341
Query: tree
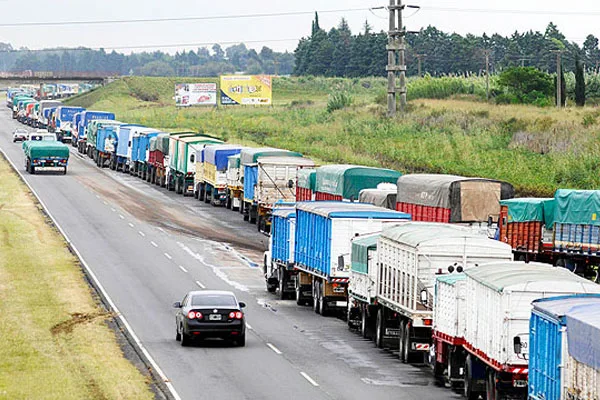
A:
526	84
579	83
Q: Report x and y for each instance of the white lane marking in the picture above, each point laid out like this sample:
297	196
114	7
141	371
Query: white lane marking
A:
153	244
121	216
308	378
105	203
97	196
200	284
168	256
248	326
183	269
130	225
142	234
113	210
94	278
275	349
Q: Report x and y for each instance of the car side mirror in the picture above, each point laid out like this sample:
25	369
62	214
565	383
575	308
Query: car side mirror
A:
517	345
242	304
177	304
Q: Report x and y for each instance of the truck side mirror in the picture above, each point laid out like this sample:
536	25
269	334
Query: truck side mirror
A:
290	184
517	345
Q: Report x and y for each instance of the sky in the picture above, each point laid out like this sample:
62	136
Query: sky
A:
576	20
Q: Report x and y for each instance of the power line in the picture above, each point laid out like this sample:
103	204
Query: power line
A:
178	19
506	11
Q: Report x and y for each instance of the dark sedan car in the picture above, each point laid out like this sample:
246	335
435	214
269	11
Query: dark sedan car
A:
210	314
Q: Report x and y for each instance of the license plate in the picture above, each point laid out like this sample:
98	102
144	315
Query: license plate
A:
520	383
392	332
214	317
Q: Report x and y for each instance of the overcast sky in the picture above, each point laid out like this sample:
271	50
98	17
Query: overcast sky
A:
575	19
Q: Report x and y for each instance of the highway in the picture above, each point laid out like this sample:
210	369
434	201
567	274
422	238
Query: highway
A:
148	247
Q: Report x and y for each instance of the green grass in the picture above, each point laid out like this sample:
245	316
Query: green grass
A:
55	340
536	149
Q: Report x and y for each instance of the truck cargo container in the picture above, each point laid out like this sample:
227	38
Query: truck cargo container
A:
322	247
211	177
418	252
235	187
43	121
383	196
551	368
29	113
106	144
166	147
199	175
249	169
496	335
344	182
275	181
64	121
565	231
139	137
45	155
84	120
75	127
306	183
156	158
451	198
182	162
92	136
22	109
122	154
279	259
15	103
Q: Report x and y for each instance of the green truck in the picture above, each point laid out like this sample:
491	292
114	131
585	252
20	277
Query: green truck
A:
45	155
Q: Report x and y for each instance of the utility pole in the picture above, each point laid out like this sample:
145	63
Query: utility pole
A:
558	80
487	74
392	47
419	58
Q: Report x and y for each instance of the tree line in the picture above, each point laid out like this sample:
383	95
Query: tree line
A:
202	62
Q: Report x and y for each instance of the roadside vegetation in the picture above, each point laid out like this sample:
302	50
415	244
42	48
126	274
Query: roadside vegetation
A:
448	127
56	343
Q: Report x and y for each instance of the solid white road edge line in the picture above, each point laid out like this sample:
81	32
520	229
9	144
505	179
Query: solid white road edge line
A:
308	378
275	349
183	269
92	275
248	326
200	284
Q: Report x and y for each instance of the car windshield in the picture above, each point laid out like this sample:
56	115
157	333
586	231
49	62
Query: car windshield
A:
214	300
48	138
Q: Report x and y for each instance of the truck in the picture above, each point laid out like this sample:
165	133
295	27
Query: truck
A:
182	161
494	349
158	146
235	187
161	158
563	231
273	180
305	184
344	182
92	130
322	247
401	312
382	196
63	122
45	155
140	149
452	198
211	177
17	99
75	127
120	157
563	348
249	170
42	121
22	109
29	111
106	143
84	120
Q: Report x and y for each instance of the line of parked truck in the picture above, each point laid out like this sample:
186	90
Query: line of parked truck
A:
421	263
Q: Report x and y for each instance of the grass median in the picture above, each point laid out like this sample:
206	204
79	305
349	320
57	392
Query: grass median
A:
54	339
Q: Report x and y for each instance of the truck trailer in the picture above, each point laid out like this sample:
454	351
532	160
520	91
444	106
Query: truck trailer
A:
86	117
344	182
305	185
122	152
322	247
211	176
235	187
280	273
63	122
45	155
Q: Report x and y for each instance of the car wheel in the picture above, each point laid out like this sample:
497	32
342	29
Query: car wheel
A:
185	338
241	342
177	334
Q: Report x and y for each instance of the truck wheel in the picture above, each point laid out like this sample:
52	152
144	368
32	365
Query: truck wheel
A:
405	346
282	294
228	203
65	171
468	389
207	198
323	308
364	322
32	170
490	386
379	329
316	296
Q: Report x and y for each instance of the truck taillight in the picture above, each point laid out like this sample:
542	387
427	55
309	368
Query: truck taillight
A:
427	322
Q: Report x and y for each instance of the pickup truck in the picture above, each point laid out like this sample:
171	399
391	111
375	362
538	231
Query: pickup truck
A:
43	151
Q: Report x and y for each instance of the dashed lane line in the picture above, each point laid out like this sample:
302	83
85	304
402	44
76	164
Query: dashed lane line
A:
153	244
168	256
142	234
130	225
200	284
183	269
121	216
275	349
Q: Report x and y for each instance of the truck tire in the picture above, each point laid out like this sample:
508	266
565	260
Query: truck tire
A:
491	392
65	171
316	296
468	388
323	308
379	329
32	170
405	344
282	281
364	322
228	202
299	300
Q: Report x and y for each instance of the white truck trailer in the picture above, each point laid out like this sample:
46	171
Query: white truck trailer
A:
410	257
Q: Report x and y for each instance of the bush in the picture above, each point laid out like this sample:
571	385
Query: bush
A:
445	87
338	101
526	84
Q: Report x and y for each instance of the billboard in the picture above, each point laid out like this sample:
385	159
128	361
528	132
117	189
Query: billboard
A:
195	94
246	89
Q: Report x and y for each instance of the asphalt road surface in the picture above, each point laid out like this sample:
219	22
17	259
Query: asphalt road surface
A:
148	247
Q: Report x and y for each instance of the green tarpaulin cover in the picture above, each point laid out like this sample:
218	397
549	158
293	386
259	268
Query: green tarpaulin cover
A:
360	253
577	207
348	180
251	155
530	209
307	178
